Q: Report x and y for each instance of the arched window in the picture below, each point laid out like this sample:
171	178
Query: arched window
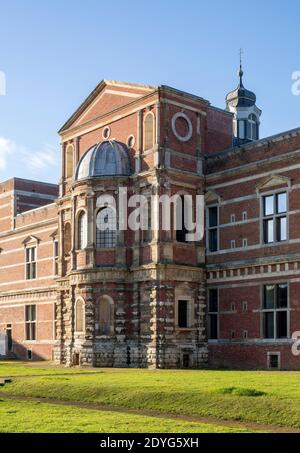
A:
106	228
149	131
79	315
67	239
82	230
252	129
69	162
104	324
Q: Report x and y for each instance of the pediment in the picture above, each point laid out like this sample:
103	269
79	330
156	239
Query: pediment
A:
30	240
273	181
106	97
54	234
212	197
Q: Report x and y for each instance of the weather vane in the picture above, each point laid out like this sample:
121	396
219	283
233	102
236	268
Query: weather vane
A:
241	53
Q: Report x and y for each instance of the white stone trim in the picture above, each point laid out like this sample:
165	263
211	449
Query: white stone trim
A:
189	134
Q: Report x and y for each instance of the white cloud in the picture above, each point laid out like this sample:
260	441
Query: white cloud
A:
40	160
33	161
7	147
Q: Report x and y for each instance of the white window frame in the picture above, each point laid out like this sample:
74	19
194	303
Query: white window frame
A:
274	216
274	311
29	246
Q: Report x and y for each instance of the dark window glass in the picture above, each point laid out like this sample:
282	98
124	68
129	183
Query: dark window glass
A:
213	326
181	231
182	313
273	361
269	324
30	322
281	319
282	295
30	263
275	313
213	240
213	300
106	231
213	216
269	296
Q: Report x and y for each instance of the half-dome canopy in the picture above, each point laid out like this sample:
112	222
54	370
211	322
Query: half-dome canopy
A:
108	158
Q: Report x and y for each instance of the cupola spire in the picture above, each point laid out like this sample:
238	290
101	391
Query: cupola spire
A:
242	103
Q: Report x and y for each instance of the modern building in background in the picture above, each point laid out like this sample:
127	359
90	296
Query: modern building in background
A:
78	289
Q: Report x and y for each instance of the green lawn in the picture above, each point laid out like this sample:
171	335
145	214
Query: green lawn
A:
34	417
245	396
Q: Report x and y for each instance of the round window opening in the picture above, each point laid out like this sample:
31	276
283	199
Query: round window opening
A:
106	132
182	127
130	141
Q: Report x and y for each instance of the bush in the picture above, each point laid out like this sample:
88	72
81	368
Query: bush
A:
240	391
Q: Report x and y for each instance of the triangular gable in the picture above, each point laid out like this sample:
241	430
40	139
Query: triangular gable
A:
107	96
54	234
273	181
212	197
30	239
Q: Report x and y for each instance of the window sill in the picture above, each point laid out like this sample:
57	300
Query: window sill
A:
185	329
106	249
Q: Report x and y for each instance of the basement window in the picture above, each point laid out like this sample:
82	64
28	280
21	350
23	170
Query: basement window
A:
274	361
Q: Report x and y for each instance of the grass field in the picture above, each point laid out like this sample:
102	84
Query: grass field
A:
202	401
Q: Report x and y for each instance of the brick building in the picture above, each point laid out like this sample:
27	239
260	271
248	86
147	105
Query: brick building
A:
77	288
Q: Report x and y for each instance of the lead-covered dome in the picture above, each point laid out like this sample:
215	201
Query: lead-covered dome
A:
108	158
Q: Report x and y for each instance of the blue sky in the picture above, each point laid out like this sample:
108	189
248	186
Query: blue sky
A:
53	53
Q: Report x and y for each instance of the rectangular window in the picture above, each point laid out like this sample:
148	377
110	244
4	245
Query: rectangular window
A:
275	311
245	242
213	314
30	263
232	244
274	361
232	218
213	223
274	218
245	305
56	253
183	314
241	126
146	222
30	322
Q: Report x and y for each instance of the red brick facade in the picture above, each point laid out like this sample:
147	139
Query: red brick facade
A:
150	290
